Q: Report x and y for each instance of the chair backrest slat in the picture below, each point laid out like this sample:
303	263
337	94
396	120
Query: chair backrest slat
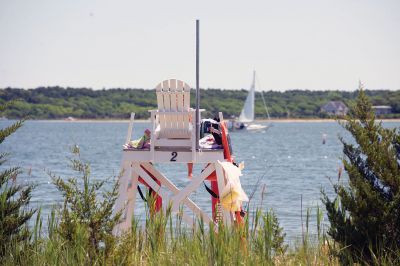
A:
186	105
172	89
186	97
179	91
160	102
160	97
180	104
166	95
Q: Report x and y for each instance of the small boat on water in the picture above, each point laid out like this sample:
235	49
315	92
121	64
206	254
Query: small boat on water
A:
246	118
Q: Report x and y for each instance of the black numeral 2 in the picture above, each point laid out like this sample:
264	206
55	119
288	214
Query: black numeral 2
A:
174	154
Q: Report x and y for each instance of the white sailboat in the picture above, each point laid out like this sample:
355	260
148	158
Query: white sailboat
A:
246	118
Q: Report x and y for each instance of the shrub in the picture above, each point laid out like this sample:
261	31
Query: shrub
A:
365	214
14	198
86	218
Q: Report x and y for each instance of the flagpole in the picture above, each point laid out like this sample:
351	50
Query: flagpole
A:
197	84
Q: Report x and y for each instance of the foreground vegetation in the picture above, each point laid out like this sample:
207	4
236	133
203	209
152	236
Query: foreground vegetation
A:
59	103
365	214
14	198
364	218
164	242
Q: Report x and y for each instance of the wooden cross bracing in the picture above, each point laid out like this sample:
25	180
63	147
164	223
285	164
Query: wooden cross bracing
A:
175	199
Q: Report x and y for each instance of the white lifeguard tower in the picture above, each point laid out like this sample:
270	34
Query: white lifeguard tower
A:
174	140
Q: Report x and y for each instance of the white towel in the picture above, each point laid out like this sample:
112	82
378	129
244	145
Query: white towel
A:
232	194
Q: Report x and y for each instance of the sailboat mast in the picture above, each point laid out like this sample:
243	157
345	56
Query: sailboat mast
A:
253	95
253	85
262	97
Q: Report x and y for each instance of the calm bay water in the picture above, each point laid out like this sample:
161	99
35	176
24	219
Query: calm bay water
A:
289	158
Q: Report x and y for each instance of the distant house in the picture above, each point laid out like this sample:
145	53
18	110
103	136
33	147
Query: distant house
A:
382	109
335	108
70	118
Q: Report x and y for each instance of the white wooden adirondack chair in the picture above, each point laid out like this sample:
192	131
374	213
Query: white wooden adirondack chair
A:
173	122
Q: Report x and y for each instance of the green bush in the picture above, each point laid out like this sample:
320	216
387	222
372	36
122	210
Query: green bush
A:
365	214
86	218
14	198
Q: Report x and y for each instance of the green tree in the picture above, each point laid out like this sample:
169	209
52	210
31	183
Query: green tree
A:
365	214
86	215
14	198
59	103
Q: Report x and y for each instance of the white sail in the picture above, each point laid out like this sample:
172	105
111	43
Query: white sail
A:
247	114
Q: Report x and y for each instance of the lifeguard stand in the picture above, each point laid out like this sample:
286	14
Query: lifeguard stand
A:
173	141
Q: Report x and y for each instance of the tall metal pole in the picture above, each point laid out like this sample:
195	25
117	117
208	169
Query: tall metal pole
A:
197	85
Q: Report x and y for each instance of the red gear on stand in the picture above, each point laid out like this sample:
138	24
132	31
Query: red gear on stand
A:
158	200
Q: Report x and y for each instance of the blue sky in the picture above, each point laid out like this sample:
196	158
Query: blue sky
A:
292	44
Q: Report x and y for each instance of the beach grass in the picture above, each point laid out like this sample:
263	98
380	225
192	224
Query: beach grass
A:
164	239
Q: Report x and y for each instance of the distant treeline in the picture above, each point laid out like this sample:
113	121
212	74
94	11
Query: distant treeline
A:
59	103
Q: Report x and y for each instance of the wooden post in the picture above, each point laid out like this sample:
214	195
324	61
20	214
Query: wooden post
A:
152	136
129	135
122	191
220	116
131	201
